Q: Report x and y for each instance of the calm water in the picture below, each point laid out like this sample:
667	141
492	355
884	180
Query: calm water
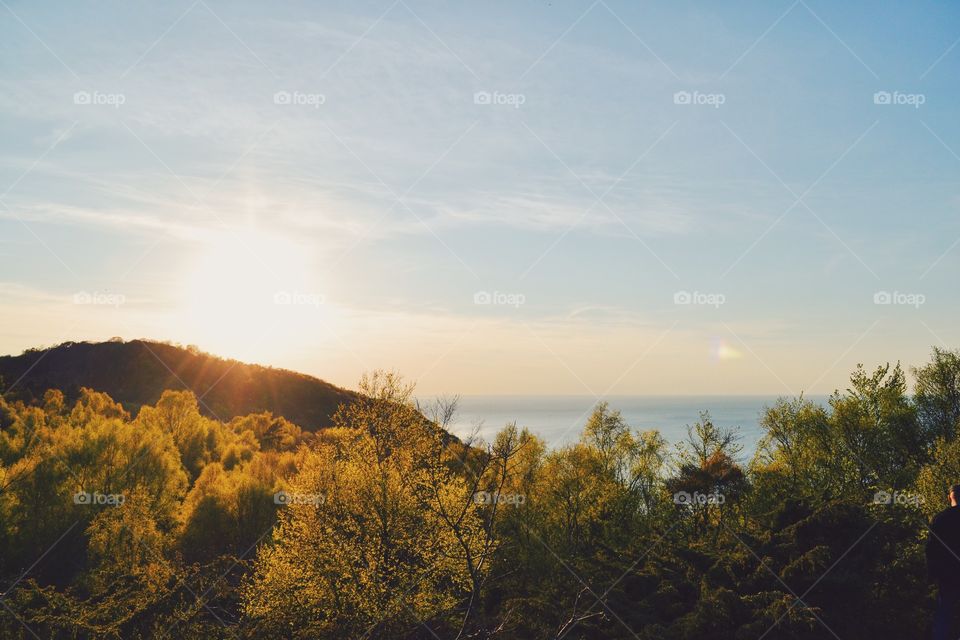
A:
560	419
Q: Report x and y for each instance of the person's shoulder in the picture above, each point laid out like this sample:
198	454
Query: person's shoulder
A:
946	514
950	514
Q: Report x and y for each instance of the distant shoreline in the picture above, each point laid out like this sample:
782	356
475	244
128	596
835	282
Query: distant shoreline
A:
560	419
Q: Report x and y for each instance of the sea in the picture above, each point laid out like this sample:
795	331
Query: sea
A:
559	420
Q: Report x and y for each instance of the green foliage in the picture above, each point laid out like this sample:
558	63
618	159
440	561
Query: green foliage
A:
135	373
384	526
937	394
379	533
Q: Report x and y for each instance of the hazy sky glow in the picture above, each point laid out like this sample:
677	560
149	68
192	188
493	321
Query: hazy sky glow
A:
490	197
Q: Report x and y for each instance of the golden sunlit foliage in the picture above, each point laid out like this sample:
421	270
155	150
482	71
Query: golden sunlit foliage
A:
170	524
376	514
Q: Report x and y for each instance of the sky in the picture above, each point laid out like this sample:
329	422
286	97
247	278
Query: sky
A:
489	197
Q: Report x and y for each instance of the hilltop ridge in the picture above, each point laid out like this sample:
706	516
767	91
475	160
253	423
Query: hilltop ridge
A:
136	373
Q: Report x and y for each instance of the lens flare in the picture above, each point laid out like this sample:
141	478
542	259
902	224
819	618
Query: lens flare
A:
720	350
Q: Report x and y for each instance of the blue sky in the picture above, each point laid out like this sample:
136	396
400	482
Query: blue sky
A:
340	186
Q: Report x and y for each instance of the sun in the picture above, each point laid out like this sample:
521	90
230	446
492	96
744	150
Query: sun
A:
245	290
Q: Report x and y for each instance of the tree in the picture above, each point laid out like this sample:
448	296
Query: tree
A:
226	511
795	458
708	480
196	437
366	543
876	432
937	395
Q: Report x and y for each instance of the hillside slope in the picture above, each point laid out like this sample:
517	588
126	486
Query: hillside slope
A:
137	372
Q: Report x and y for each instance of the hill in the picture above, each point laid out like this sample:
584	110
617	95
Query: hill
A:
137	372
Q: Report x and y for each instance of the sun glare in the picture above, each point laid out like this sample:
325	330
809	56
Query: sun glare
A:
244	289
